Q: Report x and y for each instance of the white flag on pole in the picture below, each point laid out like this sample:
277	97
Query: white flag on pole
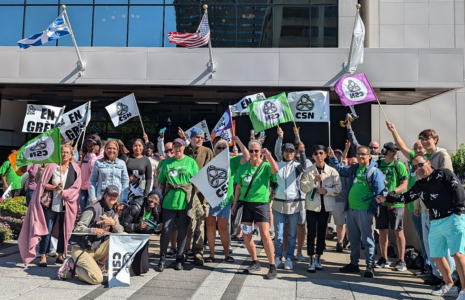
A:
74	122
216	174
309	106
240	108
40	118
202	125
357	44
123	249
123	110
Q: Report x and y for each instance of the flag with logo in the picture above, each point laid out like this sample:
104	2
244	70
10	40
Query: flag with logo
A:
268	113
45	148
74	121
202	125
212	180
58	29
240	108
224	128
354	89
122	110
309	106
41	118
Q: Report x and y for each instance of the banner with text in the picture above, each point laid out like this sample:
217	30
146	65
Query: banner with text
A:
122	110
40	118
309	106
240	108
74	121
202	125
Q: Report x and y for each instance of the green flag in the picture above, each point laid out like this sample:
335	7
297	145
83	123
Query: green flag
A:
45	148
270	112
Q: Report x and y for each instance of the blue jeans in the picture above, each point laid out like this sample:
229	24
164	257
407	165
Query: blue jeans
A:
419	230
50	218
360	226
29	196
279	220
84	199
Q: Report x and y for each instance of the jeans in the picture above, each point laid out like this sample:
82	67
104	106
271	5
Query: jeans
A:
50	218
316	224
426	224
360	226
84	199
29	196
170	219
279	220
419	230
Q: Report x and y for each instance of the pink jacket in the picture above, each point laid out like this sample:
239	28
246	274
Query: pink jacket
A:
87	164
35	226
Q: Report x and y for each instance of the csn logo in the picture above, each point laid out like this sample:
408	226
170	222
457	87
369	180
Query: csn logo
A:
39	150
304	107
355	90
122	110
271	111
218	179
120	260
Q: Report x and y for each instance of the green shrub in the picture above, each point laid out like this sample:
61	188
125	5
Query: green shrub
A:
13	207
14	223
458	162
5	233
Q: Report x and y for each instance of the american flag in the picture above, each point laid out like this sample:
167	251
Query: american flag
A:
192	40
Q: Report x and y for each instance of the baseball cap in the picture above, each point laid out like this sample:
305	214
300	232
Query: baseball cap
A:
112	189
150	145
288	146
338	151
179	141
390	146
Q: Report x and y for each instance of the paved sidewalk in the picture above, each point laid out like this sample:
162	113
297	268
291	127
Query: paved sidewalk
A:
219	280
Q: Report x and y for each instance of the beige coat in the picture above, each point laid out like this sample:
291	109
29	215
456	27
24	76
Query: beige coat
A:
331	183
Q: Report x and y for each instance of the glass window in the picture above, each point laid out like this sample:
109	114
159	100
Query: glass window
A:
11	1
222	19
291	26
38	18
11	17
110	26
324	26
180	18
254	26
324	2
77	2
146	1
255	1
176	2
111	1
145	26
291	1
80	18
42	1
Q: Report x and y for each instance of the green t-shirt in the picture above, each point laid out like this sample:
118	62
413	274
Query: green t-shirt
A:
148	214
259	191
413	178
177	172
359	189
234	164
160	164
11	176
393	177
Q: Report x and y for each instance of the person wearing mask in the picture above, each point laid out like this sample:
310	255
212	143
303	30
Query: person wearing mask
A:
365	180
54	203
137	218
219	215
252	191
175	183
440	190
110	170
9	176
94	152
90	251
321	185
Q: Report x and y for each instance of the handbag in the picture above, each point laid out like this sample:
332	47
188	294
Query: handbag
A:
46	199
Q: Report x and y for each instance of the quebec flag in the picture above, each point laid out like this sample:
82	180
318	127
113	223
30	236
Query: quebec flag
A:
58	29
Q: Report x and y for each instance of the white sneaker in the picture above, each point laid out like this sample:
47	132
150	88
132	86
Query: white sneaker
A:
311	265
446	291
318	265
288	265
52	254
461	295
278	263
301	257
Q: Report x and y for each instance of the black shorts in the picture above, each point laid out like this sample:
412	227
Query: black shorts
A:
256	212
390	218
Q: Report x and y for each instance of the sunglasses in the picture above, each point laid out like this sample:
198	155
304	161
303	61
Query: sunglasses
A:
254	151
362	154
168	150
419	165
319	153
221	148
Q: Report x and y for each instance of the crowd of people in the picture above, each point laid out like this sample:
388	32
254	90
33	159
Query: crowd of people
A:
110	188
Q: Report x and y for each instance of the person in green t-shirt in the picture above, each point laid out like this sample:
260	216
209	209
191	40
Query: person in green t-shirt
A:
391	216
9	176
219	215
254	195
177	170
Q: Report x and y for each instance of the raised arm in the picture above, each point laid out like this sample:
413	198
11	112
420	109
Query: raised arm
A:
398	141
274	165
346	151
245	152
279	144
351	135
333	162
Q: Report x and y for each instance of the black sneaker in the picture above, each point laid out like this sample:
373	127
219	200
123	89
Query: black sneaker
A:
190	254
350	268
433	280
254	267
369	272
272	273
382	263
345	243
179	263
339	247
161	266
171	253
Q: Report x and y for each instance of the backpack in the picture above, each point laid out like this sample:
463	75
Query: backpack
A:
396	163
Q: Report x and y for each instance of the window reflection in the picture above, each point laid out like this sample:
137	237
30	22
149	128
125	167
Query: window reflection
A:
324	26
254	26
180	18
222	19
42	1
38	18
80	18
145	26
11	17
110	26
291	26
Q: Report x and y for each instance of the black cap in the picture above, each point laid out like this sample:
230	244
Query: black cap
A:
150	145
288	146
112	189
390	146
338	151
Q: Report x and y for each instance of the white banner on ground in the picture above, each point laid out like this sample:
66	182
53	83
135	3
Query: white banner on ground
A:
123	249
309	106
240	108
202	125
74	121
40	118
216	173
122	110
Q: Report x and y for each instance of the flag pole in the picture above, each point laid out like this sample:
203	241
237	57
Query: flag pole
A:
82	64
357	15
211	64
296	130
382	109
138	112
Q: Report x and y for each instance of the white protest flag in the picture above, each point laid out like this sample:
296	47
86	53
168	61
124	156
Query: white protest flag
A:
309	106
7	193
123	110
357	50
240	108
216	174
41	118
202	125
74	122
123	249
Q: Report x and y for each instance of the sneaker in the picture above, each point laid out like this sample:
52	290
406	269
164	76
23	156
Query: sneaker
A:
278	263
350	268
345	243
301	257
65	270
52	254
161	266
272	273
433	280
339	247
254	267
284	255
446	291
318	265
171	253
400	266
461	295
190	254
311	265
382	263
369	272
288	265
